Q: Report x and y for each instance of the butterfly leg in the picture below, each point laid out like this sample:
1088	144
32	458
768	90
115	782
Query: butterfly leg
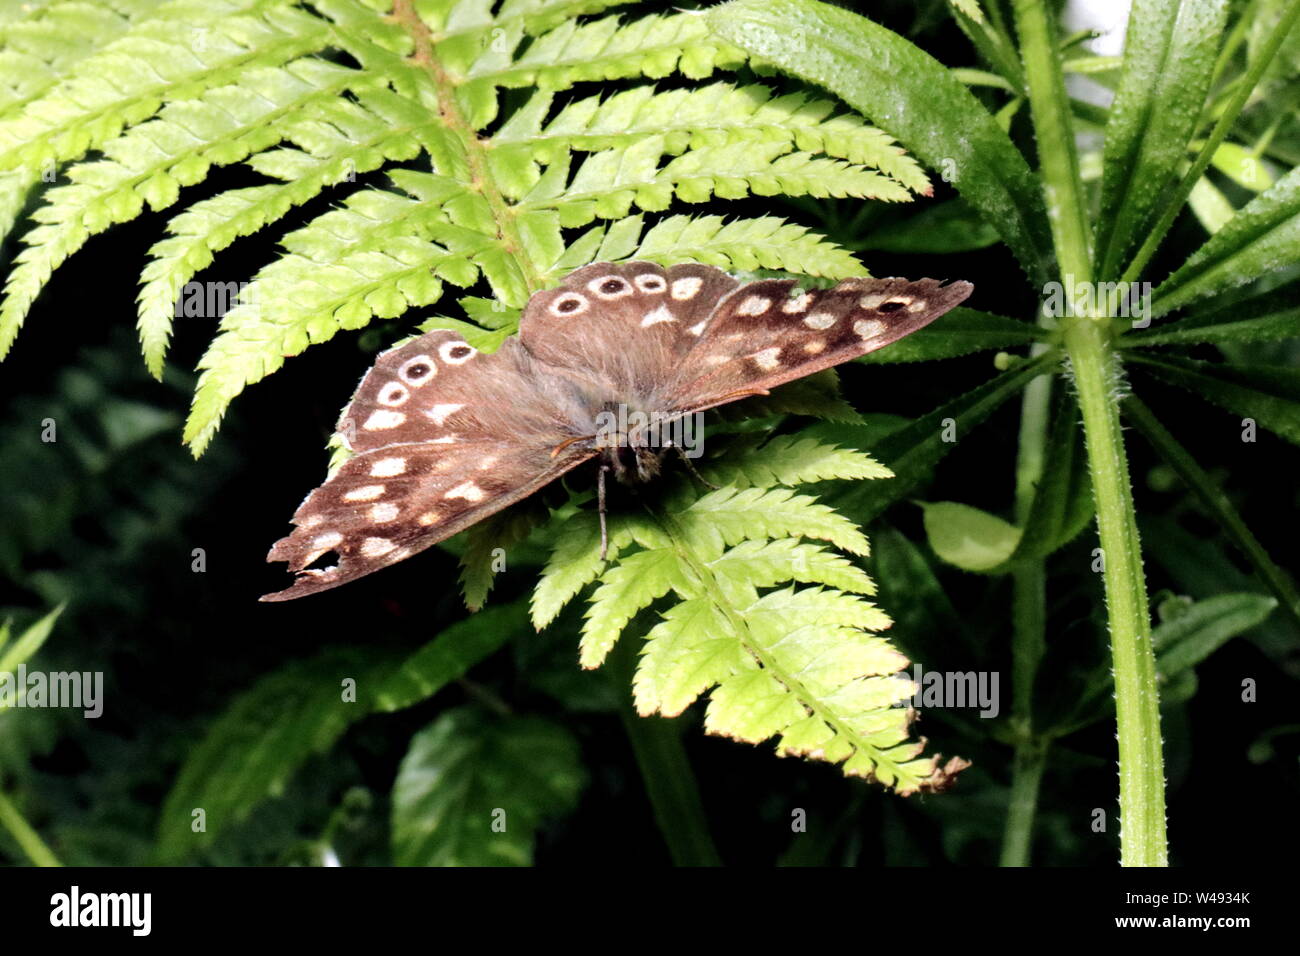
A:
600	509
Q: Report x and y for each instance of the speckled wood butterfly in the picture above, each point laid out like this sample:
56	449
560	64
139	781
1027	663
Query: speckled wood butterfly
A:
444	436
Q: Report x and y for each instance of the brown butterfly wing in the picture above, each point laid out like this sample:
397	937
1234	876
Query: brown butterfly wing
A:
445	437
761	336
622	328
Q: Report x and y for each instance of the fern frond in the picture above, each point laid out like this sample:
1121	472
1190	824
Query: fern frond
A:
39	46
719	114
165	91
152	161
790	460
183	48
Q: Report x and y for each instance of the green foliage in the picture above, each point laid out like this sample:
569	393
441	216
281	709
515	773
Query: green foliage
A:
447	805
270	730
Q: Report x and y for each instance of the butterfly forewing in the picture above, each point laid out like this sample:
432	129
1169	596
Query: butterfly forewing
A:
445	437
623	328
767	333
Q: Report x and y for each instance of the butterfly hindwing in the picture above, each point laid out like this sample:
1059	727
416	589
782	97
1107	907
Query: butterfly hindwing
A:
767	333
445	436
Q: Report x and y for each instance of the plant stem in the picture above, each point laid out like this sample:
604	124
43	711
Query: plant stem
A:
669	781
1137	701
1029	628
1050	107
24	835
1026	775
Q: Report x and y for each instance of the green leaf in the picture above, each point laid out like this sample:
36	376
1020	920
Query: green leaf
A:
1268	394
1270	317
1169	58
1204	627
912	452
967	537
1263	236
901	89
945	227
960	332
473	789
31	640
1216	502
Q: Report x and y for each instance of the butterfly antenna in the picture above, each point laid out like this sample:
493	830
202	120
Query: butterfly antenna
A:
690	466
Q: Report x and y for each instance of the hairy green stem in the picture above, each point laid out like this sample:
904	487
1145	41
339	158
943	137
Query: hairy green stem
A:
669	782
1137	700
1050	108
1028	628
1227	119
24	835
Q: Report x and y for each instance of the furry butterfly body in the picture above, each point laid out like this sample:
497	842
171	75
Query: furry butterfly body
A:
444	436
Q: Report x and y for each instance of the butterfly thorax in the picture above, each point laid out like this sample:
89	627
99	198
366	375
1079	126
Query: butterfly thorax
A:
633	441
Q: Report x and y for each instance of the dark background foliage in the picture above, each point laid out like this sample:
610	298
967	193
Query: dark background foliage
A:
106	519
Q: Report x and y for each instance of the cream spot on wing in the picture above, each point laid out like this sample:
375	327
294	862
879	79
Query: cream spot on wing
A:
819	320
900	300
394	393
917	305
717	360
417	370
488	462
797	304
871	301
375	547
815	347
311	521
698	327
384	511
767	359
382	420
686	288
571	303
326	541
439	413
649	282
660	314
364	493
868	328
456	353
429	517
754	305
445	440
469	491
388	468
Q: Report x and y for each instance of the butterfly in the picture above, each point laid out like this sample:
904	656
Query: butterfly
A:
444	436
